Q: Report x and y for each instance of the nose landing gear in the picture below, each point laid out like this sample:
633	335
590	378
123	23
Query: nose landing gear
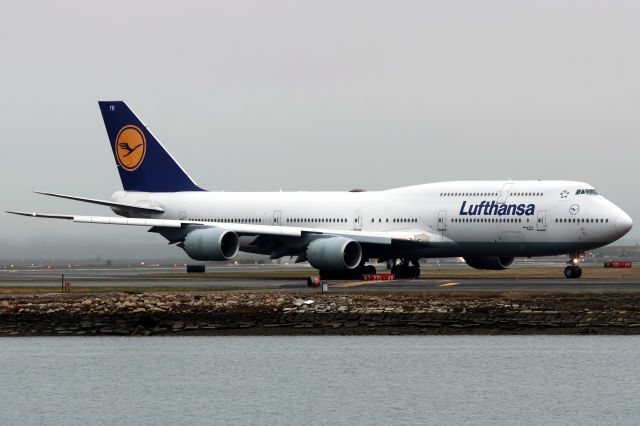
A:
574	270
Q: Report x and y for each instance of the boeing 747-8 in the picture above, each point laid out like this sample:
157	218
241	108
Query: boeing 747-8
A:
488	223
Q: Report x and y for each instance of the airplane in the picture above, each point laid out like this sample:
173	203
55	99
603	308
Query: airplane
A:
488	223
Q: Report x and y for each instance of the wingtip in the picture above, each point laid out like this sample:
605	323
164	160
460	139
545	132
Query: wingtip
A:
33	214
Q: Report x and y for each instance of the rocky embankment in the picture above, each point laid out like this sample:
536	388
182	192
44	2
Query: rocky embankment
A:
272	314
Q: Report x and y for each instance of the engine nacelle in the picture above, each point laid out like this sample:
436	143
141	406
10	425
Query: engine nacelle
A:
494	263
334	254
211	244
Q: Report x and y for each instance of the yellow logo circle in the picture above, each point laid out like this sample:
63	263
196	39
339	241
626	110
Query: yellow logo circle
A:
131	146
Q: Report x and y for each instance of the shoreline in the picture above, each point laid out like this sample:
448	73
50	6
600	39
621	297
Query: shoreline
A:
267	314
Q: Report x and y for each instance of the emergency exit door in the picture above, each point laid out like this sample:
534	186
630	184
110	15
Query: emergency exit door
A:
542	221
442	220
357	221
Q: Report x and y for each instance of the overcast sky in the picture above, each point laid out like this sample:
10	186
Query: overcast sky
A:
325	95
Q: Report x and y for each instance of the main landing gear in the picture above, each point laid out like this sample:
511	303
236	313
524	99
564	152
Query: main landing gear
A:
356	274
404	270
574	270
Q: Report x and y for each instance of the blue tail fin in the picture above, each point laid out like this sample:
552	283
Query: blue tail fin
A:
143	163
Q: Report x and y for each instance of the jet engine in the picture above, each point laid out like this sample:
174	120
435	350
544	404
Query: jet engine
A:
334	254
494	263
211	244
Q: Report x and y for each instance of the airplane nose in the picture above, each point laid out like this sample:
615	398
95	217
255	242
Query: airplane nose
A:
623	223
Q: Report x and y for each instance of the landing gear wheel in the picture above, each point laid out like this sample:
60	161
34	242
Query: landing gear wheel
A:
414	271
568	272
404	271
396	270
572	272
369	270
577	272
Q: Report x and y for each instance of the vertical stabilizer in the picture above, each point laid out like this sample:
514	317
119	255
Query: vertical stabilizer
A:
143	163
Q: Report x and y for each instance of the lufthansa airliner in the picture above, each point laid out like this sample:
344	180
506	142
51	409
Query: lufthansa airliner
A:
488	223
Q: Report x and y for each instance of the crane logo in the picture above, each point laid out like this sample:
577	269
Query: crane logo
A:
131	146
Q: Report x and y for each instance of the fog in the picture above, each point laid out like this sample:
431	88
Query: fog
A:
296	95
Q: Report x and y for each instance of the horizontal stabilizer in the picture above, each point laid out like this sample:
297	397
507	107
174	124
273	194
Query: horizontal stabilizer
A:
107	220
130	207
34	214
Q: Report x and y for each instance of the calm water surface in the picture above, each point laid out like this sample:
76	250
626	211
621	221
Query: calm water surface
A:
321	380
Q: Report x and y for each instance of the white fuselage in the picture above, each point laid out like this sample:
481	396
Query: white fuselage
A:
518	218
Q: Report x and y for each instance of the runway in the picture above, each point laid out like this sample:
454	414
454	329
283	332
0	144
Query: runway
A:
493	285
294	280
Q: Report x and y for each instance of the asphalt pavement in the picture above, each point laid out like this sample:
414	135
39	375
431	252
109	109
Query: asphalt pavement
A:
162	277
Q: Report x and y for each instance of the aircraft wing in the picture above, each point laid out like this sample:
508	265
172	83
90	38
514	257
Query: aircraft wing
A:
384	238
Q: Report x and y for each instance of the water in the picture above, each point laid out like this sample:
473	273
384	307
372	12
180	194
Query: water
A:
321	380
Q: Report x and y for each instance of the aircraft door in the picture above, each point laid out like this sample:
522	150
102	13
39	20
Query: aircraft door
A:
357	221
182	215
504	193
442	220
542	221
277	218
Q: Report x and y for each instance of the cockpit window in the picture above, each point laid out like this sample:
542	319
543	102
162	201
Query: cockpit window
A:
586	192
